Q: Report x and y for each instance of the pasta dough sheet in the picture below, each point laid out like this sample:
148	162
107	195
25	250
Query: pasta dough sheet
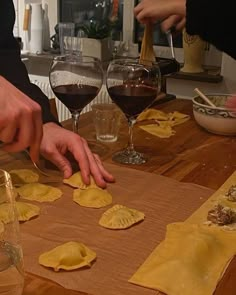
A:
191	260
193	257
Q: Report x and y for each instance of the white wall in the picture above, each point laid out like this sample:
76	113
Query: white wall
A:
184	88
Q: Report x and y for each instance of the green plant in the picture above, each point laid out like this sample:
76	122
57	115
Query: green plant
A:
96	30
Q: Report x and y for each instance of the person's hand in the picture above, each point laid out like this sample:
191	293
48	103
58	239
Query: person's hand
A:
57	141
171	13
20	120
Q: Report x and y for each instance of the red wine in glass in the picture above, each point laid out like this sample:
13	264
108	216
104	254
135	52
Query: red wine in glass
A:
133	86
75	97
76	80
132	99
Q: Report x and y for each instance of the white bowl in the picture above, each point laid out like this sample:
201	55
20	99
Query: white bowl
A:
218	120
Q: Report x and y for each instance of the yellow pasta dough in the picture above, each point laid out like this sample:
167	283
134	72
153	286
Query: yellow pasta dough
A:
4	194
68	256
191	260
92	197
25	212
153	114
1	228
177	118
162	131
76	181
120	217
39	192
21	176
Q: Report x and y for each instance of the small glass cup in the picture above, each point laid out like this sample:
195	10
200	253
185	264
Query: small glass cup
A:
106	118
11	258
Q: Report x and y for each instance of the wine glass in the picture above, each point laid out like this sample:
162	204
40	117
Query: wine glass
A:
76	80
11	258
133	85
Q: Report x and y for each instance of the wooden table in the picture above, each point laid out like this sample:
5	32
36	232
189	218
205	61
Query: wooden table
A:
191	155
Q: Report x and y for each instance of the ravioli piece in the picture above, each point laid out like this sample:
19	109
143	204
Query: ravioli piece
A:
21	176
120	217
162	131
68	256
39	192
191	260
26	211
76	181
4	194
92	197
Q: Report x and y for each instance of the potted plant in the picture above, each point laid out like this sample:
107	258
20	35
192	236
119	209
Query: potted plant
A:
96	39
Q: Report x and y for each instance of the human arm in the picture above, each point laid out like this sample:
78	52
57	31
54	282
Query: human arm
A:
170	13
20	120
212	20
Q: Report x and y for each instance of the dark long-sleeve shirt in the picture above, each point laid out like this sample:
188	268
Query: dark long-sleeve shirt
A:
213	21
11	66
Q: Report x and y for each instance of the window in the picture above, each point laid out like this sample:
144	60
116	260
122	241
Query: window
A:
80	11
16	27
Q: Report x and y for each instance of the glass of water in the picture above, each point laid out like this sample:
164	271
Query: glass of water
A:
11	258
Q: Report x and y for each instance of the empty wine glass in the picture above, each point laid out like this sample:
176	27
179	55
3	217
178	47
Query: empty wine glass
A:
133	85
11	258
76	80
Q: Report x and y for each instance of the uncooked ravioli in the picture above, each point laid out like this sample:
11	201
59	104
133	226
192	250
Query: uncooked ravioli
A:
92	197
76	181
25	212
68	256
120	217
21	176
39	192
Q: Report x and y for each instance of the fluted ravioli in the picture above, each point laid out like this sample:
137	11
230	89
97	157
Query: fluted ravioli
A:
25	211
92	197
39	192
68	256
76	181
21	176
120	217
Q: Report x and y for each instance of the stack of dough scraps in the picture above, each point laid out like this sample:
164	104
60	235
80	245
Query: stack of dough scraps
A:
163	122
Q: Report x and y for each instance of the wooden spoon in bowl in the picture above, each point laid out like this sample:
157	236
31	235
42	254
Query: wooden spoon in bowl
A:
204	97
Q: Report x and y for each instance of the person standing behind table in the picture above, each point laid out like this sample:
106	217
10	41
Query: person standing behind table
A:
212	20
25	117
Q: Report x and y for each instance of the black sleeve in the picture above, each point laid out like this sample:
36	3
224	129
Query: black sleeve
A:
11	66
213	21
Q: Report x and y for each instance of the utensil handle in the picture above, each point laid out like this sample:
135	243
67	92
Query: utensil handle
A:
26	18
204	97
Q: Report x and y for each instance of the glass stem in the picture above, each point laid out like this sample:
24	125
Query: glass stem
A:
130	146
75	118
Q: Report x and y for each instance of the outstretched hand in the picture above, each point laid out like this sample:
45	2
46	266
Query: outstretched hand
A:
171	13
57	141
20	120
